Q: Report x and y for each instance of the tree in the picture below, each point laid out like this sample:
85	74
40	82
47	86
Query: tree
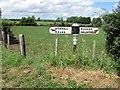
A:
59	19
88	20
96	22
29	21
23	21
33	17
111	25
73	19
0	13
117	10
39	19
82	20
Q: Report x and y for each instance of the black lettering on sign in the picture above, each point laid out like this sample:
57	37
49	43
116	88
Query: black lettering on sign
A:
95	31
53	29
61	28
88	31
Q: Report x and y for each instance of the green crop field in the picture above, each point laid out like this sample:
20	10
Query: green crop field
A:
40	46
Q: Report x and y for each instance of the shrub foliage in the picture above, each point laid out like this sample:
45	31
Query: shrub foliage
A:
112	28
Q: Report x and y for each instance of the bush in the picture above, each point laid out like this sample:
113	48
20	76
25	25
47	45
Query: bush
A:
111	25
96	22
6	26
112	28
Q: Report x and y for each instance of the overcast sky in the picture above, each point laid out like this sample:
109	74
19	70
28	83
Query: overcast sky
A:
51	9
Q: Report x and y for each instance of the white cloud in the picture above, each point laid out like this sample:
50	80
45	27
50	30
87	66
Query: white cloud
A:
115	6
47	8
106	0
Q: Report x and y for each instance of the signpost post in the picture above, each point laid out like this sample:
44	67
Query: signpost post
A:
75	30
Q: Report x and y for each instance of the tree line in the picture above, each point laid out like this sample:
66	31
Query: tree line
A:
32	21
29	21
81	20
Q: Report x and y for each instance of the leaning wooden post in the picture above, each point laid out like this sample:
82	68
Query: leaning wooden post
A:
3	38
93	51
56	46
8	41
22	45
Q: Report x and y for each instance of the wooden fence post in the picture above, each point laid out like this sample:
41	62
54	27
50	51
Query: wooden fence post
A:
22	45
0	36
3	38
0	67
8	41
93	51
56	46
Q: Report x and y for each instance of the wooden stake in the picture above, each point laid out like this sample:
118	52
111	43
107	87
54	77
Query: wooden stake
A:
93	53
0	37
56	46
3	38
8	41
22	45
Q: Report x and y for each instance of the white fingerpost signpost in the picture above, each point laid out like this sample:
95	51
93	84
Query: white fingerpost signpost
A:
75	30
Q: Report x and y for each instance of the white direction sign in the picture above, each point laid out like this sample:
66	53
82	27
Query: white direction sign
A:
60	30
88	30
68	30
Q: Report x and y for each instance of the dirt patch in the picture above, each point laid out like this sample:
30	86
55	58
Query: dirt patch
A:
14	47
98	79
27	71
1	81
13	70
10	84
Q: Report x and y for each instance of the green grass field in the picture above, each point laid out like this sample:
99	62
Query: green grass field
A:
39	37
40	46
45	22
